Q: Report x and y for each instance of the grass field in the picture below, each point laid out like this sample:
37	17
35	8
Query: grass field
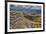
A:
37	23
20	21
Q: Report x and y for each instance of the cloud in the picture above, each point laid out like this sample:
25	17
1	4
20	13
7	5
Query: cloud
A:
25	7
36	7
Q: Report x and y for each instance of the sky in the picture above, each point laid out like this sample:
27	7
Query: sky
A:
26	8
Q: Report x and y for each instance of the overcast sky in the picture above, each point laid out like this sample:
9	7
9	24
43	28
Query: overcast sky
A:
25	8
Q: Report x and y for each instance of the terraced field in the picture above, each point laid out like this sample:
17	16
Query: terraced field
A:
20	21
